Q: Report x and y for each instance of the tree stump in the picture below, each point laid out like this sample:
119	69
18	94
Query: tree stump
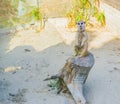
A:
82	65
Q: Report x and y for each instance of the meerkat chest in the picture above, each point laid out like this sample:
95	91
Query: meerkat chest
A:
81	36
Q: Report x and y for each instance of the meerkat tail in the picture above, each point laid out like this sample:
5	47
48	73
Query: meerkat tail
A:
52	77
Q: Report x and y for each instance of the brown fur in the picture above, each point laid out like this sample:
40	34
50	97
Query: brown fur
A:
81	41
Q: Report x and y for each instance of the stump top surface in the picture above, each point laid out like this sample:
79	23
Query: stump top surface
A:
86	61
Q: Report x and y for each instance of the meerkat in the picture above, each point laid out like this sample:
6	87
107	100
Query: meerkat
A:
81	40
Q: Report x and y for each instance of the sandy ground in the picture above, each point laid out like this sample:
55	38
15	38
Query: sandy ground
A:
27	58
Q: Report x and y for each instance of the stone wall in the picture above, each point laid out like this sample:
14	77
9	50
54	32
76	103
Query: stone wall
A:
113	3
112	18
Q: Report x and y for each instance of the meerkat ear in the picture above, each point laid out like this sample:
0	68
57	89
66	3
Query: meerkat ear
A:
84	22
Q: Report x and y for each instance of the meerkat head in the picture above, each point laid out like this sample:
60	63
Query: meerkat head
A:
81	25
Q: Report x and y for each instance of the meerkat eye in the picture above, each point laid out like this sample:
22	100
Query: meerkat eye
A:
82	23
78	23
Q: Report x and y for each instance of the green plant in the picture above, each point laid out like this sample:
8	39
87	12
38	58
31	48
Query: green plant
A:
35	12
85	10
9	13
54	84
31	13
59	85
